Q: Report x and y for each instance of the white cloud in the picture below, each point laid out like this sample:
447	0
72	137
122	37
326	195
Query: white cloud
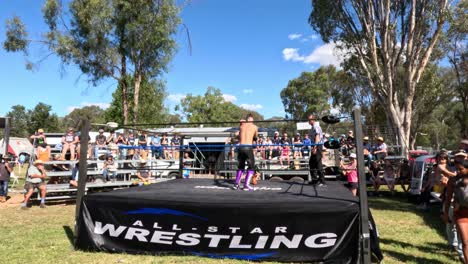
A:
176	97
294	36
229	98
291	54
253	107
313	36
322	55
83	104
247	91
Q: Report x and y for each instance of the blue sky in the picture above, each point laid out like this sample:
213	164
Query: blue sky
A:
248	49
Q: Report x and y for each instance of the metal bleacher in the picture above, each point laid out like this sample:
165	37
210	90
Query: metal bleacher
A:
163	170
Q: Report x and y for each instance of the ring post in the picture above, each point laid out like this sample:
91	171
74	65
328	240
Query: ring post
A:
181	157
82	170
364	207
6	135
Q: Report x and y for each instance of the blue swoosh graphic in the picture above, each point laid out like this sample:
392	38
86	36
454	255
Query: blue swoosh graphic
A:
235	256
164	211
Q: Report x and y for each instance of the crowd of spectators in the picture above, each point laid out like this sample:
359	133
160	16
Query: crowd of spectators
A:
119	145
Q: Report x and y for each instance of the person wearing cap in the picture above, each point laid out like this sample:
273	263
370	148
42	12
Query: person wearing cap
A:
464	145
143	173
39	139
367	149
109	170
69	141
99	143
350	171
5	172
315	160
35	179
380	151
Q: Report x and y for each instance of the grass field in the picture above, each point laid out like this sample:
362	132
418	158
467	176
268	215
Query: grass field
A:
44	236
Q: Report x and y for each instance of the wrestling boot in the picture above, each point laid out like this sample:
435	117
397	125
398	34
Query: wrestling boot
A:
238	179
248	177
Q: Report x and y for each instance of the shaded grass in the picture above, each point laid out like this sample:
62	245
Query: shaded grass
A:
45	236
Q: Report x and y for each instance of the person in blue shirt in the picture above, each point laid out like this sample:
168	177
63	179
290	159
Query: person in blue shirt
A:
156	148
306	145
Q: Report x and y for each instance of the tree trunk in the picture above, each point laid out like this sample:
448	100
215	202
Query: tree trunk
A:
124	85
136	97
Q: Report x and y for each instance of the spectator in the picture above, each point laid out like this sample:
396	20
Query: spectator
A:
69	141
285	151
350	170
276	142
297	146
375	177
234	143
405	175
39	138
143	173
75	175
165	146
110	169
367	150
268	148
88	150
306	144
155	143
143	143
111	138
43	152
464	145
175	144
389	176
5	171
122	141
439	179
35	179
260	148
457	188
380	151
100	143
131	143
453	235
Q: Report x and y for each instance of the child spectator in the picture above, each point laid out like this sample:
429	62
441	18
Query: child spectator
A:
110	169
350	170
297	146
389	176
143	173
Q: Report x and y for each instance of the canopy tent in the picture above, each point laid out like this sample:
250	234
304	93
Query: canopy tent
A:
17	146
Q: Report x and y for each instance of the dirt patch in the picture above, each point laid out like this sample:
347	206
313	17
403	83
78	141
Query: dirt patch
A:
14	199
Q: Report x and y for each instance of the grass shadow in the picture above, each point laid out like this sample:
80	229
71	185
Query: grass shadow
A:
69	232
429	247
400	202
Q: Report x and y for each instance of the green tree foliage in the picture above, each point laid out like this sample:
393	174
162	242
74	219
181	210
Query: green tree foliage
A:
152	108
309	93
19	120
456	47
93	113
41	117
211	107
108	39
382	36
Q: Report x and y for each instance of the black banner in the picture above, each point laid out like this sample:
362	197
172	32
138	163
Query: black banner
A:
249	234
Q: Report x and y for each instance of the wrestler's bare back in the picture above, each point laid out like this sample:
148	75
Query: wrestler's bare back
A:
247	133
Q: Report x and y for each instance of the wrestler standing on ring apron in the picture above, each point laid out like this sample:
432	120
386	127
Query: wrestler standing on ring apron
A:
248	133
